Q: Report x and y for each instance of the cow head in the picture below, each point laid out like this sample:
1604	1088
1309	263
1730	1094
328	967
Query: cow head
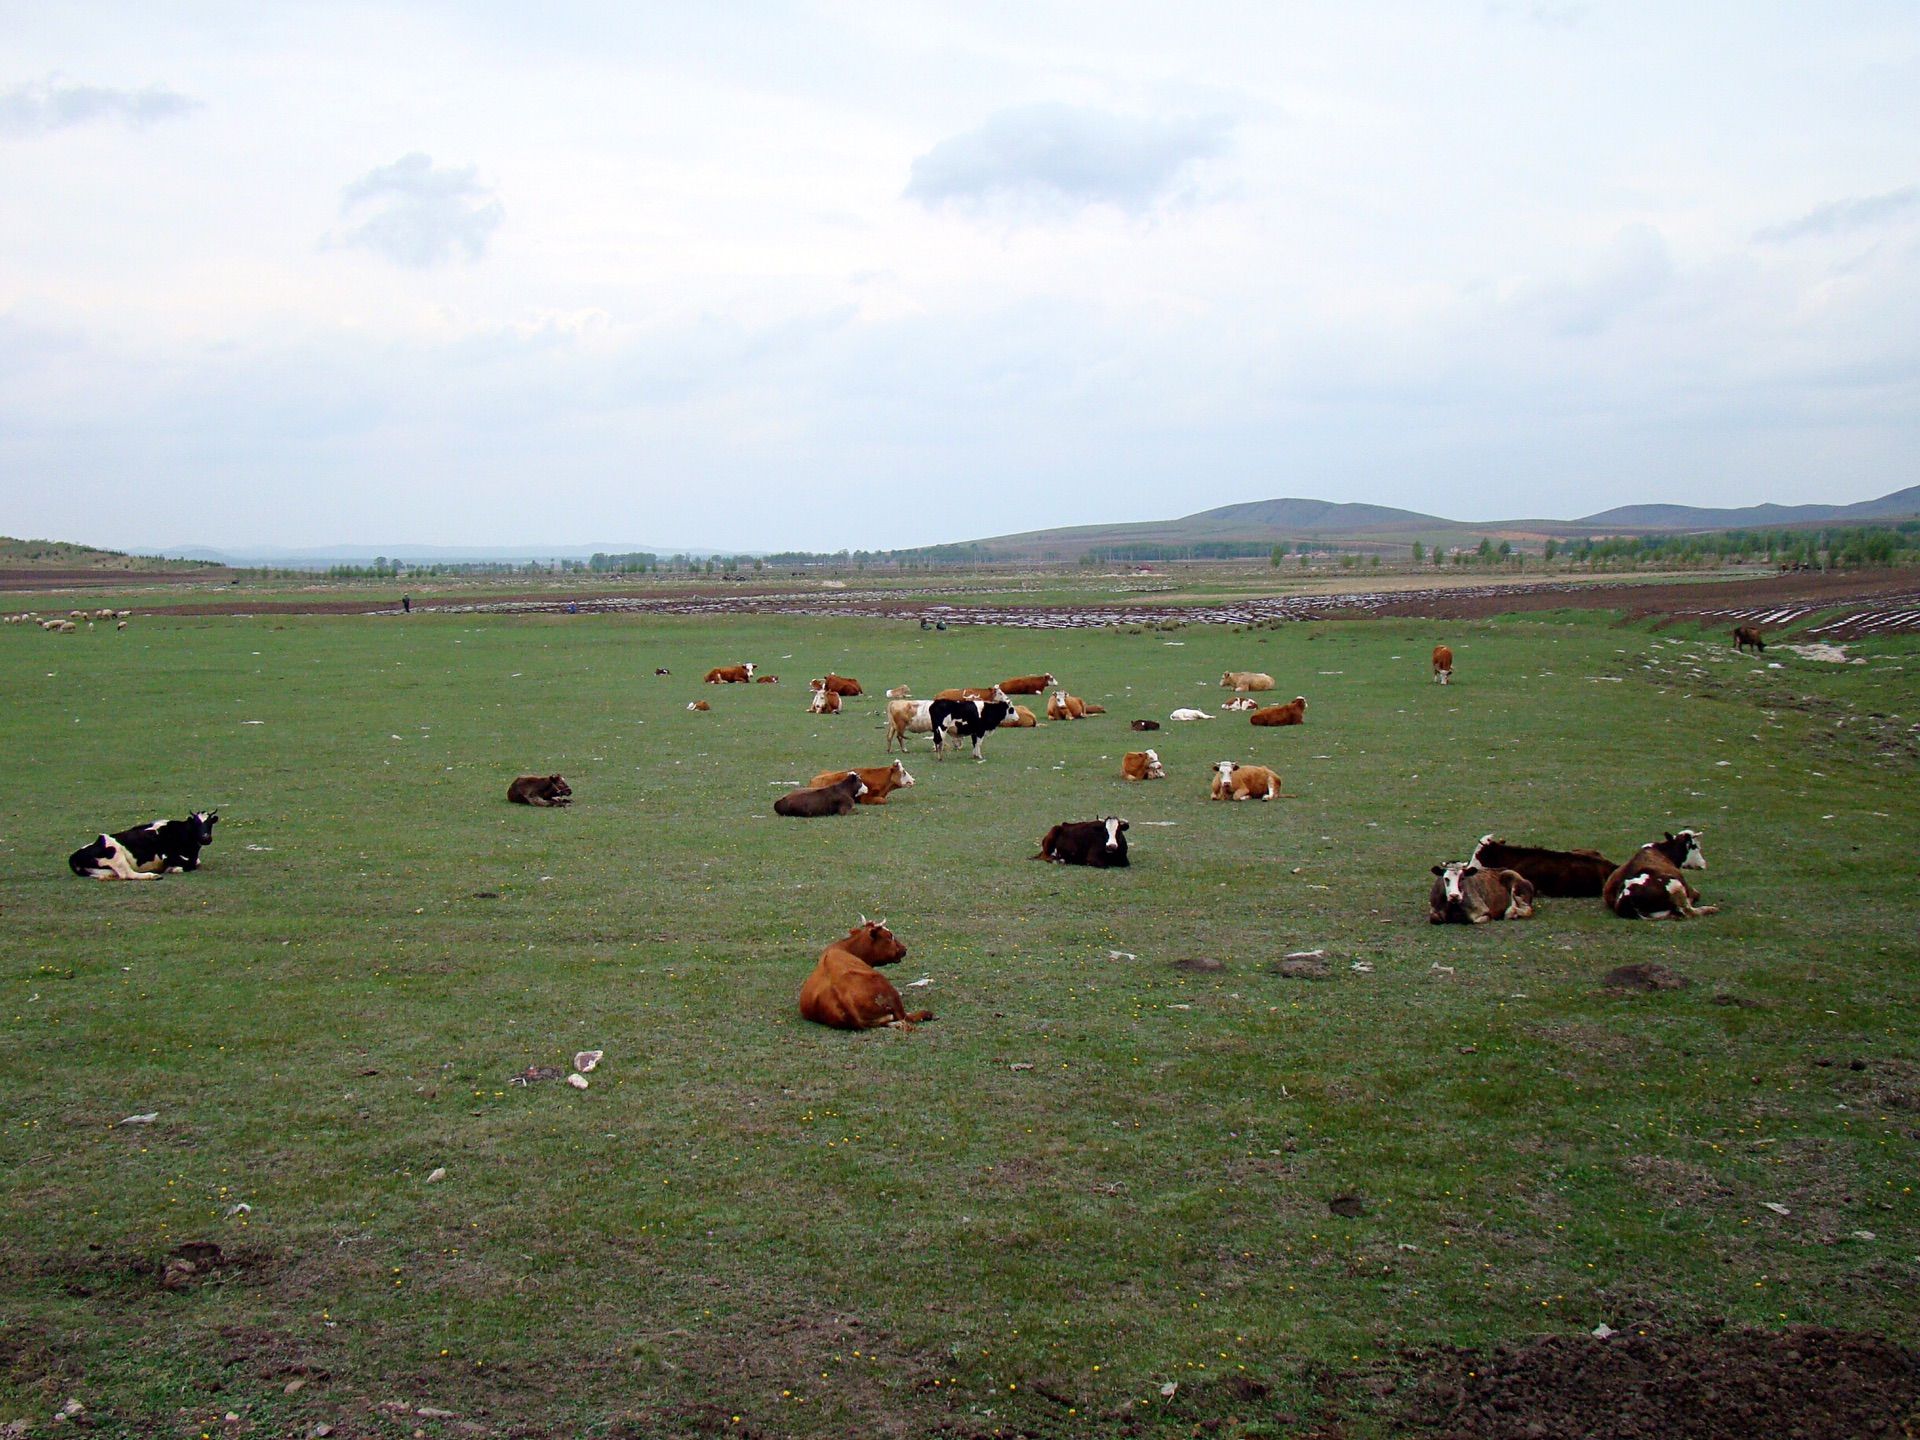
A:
901	779
557	787
203	822
1115	828
872	942
816	685
1153	761
1451	876
748	667
1687	843
1226	768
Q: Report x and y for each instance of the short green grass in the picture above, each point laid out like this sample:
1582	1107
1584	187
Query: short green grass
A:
902	1234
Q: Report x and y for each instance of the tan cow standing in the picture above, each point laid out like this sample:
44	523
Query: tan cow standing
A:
848	993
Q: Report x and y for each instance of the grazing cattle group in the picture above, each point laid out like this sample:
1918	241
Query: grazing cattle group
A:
161	847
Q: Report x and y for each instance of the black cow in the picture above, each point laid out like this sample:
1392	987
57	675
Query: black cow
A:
812	801
968	719
1099	843
146	851
1553	872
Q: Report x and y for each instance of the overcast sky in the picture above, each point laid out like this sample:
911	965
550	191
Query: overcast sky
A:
878	274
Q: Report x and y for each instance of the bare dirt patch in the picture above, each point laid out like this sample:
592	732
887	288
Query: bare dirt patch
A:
1807	1382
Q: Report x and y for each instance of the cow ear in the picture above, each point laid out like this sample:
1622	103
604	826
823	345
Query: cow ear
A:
1439	869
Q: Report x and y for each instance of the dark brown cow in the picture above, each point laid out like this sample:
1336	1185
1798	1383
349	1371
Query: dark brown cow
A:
1650	886
1026	684
848	993
1099	843
838	684
1569	873
1747	635
545	790
1464	894
1145	725
812	801
1294	712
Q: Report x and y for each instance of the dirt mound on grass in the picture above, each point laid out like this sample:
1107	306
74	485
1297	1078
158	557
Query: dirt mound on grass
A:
1805	1382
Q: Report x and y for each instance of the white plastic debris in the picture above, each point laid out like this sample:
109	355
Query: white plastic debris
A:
239	1208
1777	1207
1364	967
1865	1235
1604	1331
1167	1389
578	1081
916	984
1020	1065
438	1173
1304	955
585	1060
1121	955
147	1119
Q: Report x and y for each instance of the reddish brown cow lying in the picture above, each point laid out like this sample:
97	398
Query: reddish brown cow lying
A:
1464	894
1650	886
824	702
973	692
766	679
1294	712
1142	765
848	993
1027	684
880	780
1553	872
838	684
730	674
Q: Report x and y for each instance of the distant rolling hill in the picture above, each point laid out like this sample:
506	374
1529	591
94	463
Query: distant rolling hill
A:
1263	523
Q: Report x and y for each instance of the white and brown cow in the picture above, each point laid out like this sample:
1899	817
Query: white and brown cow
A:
880	780
1234	781
1650	886
824	702
1142	765
1464	894
739	674
1442	665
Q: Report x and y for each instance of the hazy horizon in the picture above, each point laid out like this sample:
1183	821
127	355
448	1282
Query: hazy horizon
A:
845	274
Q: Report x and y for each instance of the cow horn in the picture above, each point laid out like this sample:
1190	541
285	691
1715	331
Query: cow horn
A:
863	917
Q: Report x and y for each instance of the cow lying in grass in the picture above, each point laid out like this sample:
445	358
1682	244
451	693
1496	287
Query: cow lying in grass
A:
1142	765
880	780
812	801
1099	843
1650	886
1234	781
1294	712
1464	894
540	790
147	851
1568	873
847	992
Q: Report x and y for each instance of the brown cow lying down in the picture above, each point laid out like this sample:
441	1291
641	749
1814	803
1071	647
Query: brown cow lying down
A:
1464	894
731	674
1142	765
824	702
973	692
1650	886
1145	725
1234	781
811	801
880	780
540	790
1062	706
1294	712
848	993
838	684
698	705
1027	684
1019	718
1553	872
766	679
1246	680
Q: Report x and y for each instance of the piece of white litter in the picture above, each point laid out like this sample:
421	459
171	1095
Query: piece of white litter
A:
579	1082
259	847
790	784
1777	1207
1603	1331
146	1119
1020	1065
253	722
1179	1007
1173	642
916	984
1304	955
393	737
1443	969
1121	955
1722	763
241	1208
1168	1388
1865	1235
1365	967
437	1174
585	1060
1156	822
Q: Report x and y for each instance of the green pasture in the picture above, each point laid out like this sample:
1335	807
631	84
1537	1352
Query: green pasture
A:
1095	1176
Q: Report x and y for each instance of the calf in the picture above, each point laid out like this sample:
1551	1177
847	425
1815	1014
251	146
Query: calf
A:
144	852
542	790
965	720
1442	665
1246	680
1568	873
1243	702
1187	713
880	780
836	684
907	717
1142	765
1294	712
766	679
1464	894
812	801
847	992
1650	886
899	692
1145	725
1027	684
698	705
1019	717
730	674
1099	843
661	670
1747	635
824	702
1234	781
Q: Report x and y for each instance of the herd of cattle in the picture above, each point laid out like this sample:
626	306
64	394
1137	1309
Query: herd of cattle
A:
846	990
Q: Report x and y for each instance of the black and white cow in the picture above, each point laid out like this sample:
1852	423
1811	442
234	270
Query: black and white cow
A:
1650	886
147	851
965	720
1099	843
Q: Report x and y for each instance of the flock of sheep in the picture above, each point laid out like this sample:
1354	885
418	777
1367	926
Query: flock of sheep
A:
70	622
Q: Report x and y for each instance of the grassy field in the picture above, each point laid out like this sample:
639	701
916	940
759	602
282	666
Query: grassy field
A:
748	1225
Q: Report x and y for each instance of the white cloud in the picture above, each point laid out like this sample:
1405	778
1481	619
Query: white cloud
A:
56	103
1840	216
420	216
1064	156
